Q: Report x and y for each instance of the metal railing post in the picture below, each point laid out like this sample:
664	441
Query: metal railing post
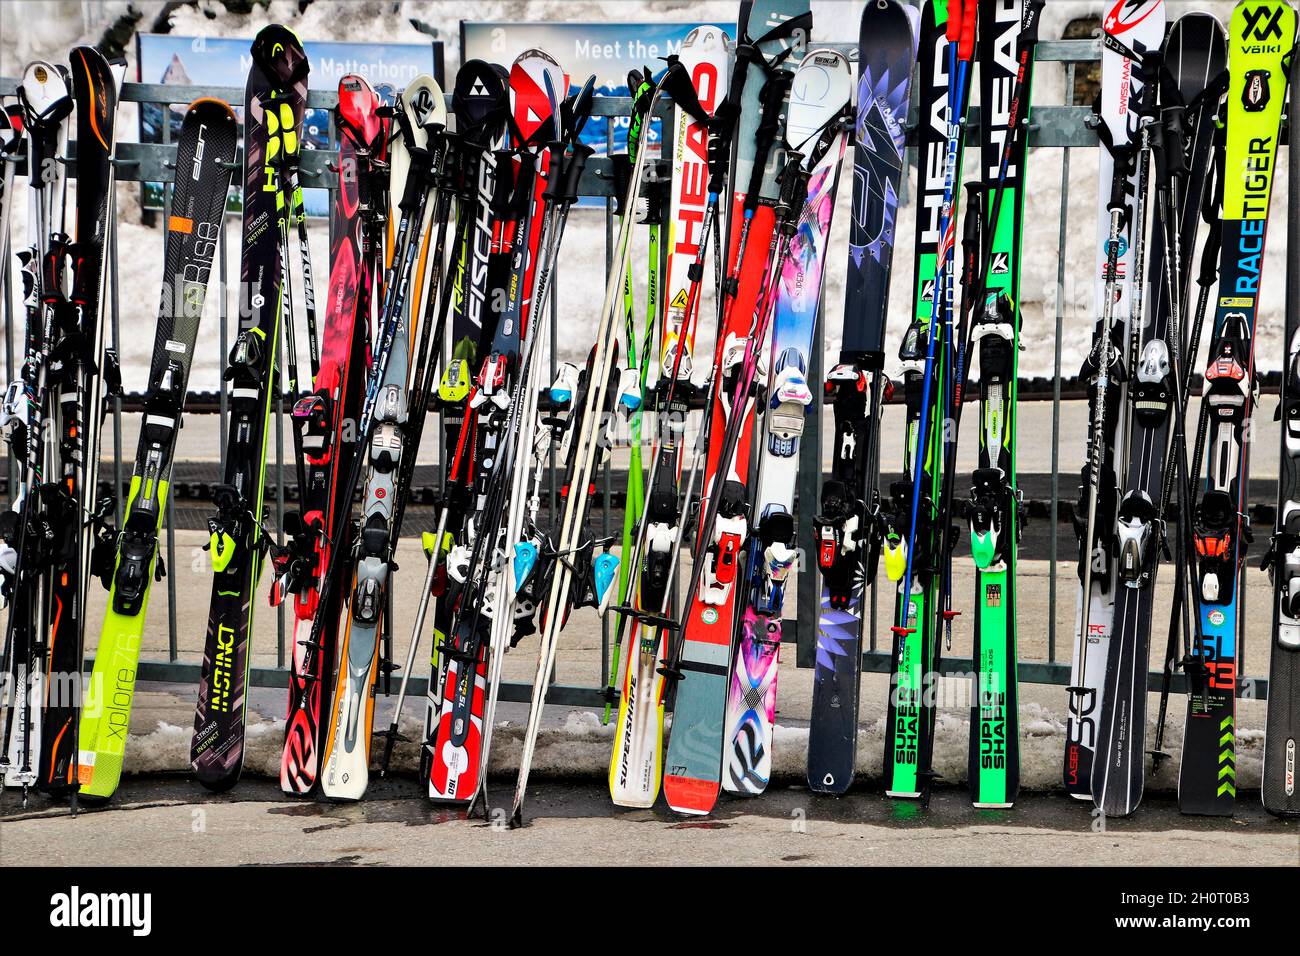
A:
1054	508
173	639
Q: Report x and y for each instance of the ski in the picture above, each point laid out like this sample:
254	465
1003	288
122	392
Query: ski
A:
848	540
357	213
205	157
1261	35
692	761
1009	37
481	101
1132	32
275	99
1283	721
751	690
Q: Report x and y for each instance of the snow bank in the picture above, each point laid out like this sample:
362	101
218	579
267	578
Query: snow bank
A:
579	748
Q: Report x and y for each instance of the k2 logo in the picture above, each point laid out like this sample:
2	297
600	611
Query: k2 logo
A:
1265	31
1001	264
422	104
927	291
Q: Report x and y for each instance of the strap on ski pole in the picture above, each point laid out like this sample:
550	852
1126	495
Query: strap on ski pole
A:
678	87
772	97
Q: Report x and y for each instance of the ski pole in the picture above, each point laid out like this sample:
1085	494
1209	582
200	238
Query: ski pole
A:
773	98
399	271
675	78
961	48
1102	359
979	237
424	375
794	190
1172	169
1185	563
640	85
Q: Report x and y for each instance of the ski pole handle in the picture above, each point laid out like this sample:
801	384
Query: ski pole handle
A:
729	109
1210	256
1173	138
954	27
680	88
562	188
1123	156
772	96
961	27
580	153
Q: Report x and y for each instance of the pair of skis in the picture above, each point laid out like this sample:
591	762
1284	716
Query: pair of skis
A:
1261	37
205	162
1283	721
275	101
401	383
1132	36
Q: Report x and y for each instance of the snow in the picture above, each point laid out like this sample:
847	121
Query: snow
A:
60	25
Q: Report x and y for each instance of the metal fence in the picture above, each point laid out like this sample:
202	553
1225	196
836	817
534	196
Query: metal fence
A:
1056	126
